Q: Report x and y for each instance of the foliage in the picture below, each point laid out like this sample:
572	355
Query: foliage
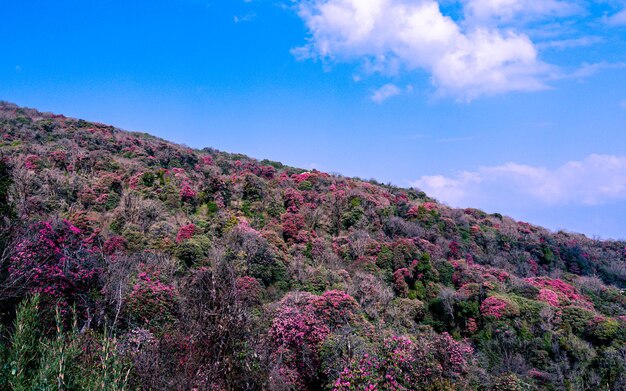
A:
218	271
61	360
151	302
57	261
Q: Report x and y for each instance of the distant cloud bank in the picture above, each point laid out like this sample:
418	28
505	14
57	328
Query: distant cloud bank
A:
595	180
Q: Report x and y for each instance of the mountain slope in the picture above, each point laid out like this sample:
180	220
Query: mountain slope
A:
218	271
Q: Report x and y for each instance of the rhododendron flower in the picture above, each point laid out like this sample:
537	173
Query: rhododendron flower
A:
32	162
187	193
564	291
185	232
151	301
55	260
549	297
497	307
471	325
247	289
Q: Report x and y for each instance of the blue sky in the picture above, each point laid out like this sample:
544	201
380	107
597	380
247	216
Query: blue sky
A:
515	106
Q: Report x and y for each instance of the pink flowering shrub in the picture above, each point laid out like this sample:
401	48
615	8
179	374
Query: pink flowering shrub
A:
185	232
248	290
56	261
498	307
468	291
565	292
399	281
267	172
301	325
151	302
206	160
295	337
419	275
407	362
187	194
404	364
548	296
413	212
334	307
293	222
471	326
59	158
363	373
539	376
114	244
454	250
87	196
454	356
398	365
33	162
305	176
293	198
430	206
469	273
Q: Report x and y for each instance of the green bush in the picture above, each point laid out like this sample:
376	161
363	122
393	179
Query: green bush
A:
33	360
193	250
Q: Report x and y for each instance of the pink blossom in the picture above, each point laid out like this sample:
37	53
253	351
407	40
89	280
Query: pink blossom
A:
496	307
185	232
32	162
564	291
187	193
549	297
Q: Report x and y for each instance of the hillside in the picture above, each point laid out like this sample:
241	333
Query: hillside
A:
169	268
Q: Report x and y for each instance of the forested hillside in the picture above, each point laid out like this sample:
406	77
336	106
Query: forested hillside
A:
129	262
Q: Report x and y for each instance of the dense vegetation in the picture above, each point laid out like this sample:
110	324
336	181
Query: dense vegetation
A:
132	263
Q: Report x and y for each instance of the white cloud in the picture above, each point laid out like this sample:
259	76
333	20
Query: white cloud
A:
618	19
586	70
244	18
571	43
595	180
452	190
507	11
385	92
392	36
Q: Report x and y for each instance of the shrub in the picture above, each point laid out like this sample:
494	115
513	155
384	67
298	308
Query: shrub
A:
293	223
508	382
334	308
193	250
57	262
295	337
565	292
248	290
498	307
548	296
114	245
25	351
151	302
187	194
404	364
185	232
